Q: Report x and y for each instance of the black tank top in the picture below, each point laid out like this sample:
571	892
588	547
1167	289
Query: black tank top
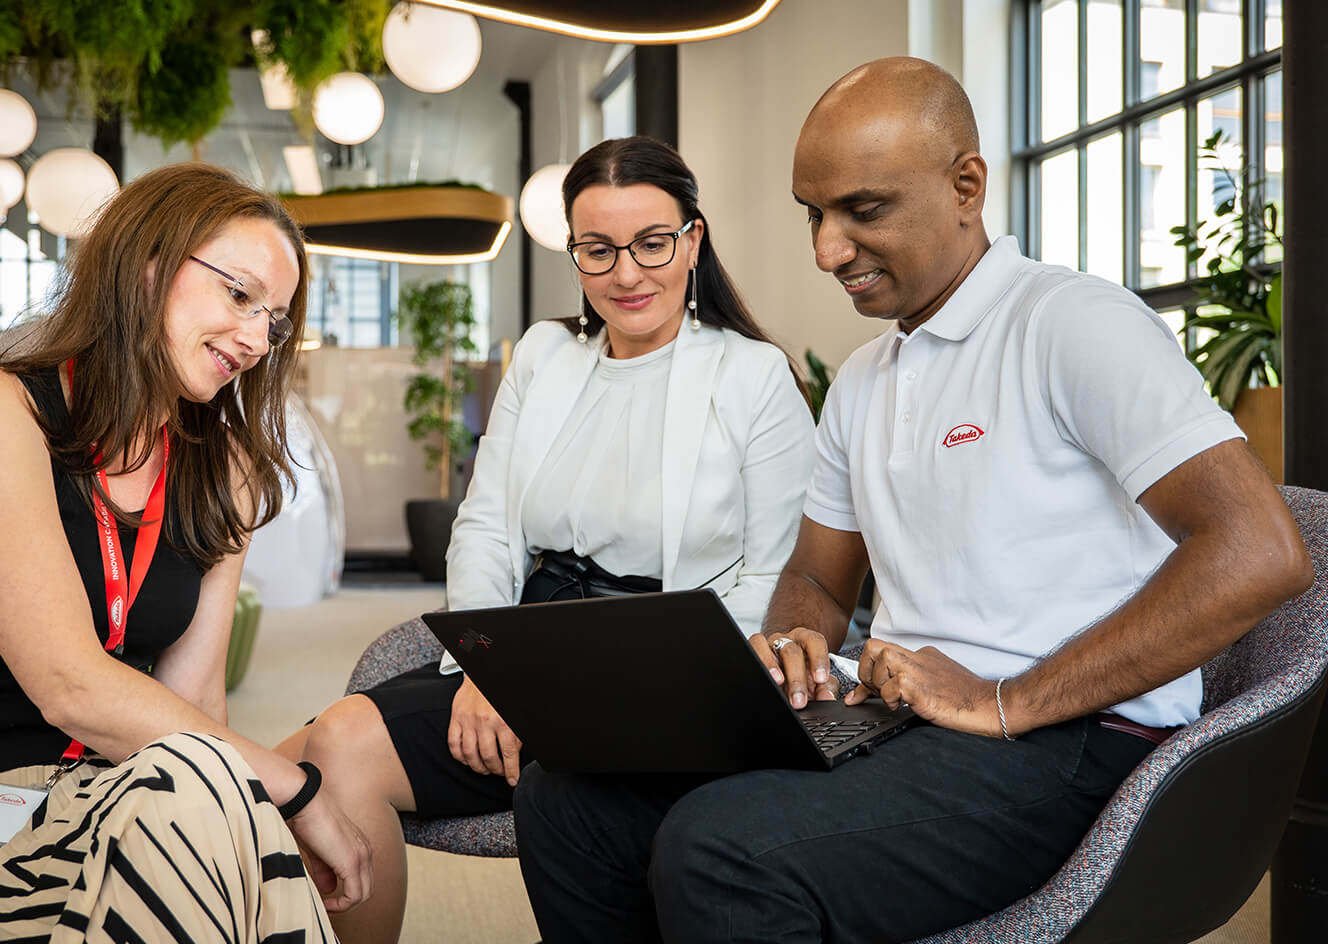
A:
161	612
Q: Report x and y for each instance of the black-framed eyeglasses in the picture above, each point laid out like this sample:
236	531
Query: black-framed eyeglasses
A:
279	327
594	257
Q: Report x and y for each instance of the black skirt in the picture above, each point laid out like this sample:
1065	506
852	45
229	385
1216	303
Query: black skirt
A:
417	705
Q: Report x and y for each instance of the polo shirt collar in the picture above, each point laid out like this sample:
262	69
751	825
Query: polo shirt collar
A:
978	293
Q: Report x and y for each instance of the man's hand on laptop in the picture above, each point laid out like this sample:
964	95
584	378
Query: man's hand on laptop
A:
799	661
935	686
479	738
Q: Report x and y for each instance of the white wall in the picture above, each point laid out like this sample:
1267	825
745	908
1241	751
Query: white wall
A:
742	101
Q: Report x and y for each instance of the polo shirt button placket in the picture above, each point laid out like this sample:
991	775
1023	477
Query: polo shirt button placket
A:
906	404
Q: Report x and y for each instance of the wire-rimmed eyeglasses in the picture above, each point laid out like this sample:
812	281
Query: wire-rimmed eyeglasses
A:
279	327
594	257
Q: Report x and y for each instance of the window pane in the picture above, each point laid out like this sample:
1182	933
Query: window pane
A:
1106	220
1219	35
1272	157
1106	86
1060	68
1175	319
619	110
1161	198
1161	46
1272	25
1060	209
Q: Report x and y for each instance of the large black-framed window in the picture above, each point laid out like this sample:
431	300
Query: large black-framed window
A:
1112	100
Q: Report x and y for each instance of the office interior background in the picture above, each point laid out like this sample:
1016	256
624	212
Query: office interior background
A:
1092	115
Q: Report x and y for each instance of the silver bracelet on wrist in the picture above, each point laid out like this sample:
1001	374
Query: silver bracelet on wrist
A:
1000	710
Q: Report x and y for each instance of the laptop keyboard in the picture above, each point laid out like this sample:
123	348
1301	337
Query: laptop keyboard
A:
831	734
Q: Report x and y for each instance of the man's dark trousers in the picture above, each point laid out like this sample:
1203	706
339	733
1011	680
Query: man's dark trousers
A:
933	830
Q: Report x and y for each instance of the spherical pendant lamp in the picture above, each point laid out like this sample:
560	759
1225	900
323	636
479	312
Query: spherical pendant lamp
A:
67	188
348	108
541	207
11	185
18	124
429	48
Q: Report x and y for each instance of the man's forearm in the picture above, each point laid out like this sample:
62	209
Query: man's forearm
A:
799	601
1219	582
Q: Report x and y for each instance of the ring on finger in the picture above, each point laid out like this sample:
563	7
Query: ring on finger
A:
780	643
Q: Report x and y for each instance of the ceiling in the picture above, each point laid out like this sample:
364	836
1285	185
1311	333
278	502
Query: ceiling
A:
463	134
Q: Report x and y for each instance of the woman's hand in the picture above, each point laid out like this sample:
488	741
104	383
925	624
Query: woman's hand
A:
479	738
338	856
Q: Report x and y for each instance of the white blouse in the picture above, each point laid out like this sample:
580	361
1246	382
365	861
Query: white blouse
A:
598	490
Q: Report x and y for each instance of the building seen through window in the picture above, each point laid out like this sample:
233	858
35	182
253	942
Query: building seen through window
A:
1121	95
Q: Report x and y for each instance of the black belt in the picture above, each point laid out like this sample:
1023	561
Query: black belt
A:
573	571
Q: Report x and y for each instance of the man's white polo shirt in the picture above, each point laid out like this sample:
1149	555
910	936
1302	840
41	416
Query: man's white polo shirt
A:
993	457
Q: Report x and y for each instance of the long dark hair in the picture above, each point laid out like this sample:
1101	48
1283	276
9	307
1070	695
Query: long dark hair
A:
621	162
109	316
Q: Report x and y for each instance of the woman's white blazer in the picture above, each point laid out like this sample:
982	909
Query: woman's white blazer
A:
738	453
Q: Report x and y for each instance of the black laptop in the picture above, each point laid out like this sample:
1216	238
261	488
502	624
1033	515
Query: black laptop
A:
649	683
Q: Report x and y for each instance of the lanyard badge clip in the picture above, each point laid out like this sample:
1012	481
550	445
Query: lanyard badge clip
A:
65	766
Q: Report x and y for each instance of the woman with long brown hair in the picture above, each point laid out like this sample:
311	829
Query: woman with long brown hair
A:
144	440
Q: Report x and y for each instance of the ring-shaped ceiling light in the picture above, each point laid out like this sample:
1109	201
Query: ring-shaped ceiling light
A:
443	225
662	21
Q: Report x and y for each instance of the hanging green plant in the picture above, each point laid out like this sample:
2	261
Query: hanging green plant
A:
185	97
1246	347
161	63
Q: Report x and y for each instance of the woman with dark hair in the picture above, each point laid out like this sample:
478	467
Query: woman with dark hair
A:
144	440
657	441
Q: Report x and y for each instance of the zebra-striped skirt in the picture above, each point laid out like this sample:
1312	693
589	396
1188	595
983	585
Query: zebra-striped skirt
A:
178	843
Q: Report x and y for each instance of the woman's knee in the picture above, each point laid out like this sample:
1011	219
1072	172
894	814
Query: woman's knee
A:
350	744
350	729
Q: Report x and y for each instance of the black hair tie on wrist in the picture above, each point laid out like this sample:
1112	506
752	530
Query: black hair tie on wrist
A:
313	779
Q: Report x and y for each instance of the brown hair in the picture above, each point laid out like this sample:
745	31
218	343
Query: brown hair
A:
109	316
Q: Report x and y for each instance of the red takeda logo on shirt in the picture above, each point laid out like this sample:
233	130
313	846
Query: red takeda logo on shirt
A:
963	433
10	799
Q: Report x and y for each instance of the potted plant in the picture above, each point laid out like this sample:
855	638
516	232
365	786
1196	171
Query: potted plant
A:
1241	357
438	317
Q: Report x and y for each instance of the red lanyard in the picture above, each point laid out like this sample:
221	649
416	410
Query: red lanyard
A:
121	588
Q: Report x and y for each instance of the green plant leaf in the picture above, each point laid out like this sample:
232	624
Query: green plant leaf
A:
438	317
818	383
1237	376
1273	303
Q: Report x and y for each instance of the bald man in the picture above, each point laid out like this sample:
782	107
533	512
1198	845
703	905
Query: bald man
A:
1062	526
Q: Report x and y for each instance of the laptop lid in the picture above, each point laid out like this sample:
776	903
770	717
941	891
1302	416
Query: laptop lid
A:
647	683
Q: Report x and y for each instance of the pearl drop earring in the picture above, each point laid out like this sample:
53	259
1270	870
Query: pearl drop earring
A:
691	304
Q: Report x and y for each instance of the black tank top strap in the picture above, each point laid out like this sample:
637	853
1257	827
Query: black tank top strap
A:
44	386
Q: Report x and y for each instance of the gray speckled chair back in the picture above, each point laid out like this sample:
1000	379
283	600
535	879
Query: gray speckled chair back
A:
1188	835
407	646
